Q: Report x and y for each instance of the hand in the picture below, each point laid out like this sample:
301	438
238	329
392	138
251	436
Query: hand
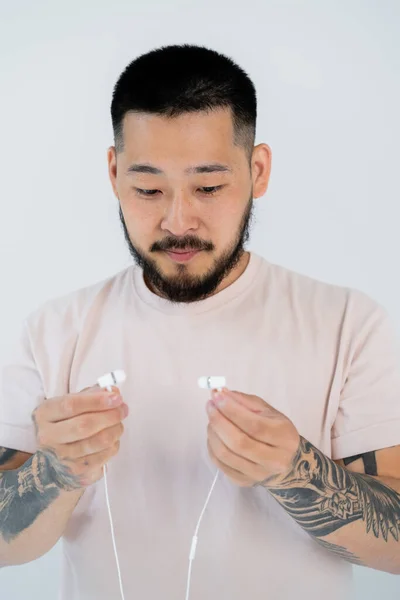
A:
78	433
249	440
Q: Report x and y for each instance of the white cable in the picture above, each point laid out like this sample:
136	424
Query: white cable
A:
112	535
210	383
103	381
204	382
192	548
194	539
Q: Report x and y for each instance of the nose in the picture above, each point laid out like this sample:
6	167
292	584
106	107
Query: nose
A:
179	217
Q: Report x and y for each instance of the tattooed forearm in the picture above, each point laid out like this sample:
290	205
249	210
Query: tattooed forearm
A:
26	492
324	497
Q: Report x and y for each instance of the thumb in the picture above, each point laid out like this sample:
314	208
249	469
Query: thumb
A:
92	388
96	388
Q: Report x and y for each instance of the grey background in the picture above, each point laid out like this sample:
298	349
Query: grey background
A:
327	75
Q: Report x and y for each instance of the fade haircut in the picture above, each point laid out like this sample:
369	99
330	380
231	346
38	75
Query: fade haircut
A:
174	80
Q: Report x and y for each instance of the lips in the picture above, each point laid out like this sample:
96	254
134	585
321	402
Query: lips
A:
182	251
180	256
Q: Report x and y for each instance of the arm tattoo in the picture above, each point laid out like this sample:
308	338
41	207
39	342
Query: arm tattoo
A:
369	460
340	551
323	497
26	492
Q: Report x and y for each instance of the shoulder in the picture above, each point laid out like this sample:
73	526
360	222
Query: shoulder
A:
300	288
303	295
69	310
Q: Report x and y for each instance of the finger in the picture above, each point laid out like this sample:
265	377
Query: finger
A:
255	425
99	459
96	387
237	462
96	443
72	405
236	476
236	439
92	387
83	426
251	402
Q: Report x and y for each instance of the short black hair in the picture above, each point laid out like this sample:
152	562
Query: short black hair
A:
173	80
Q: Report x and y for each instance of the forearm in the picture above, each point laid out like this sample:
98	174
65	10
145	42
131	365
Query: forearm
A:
356	516
35	506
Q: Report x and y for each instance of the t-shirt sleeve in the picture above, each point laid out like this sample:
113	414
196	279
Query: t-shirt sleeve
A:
368	416
21	391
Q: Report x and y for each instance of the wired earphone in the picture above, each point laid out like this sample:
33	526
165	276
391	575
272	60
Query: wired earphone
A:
205	382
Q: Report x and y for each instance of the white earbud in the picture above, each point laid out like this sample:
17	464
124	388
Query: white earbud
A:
213	382
112	378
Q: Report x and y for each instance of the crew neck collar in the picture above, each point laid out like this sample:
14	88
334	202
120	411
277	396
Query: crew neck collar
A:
163	305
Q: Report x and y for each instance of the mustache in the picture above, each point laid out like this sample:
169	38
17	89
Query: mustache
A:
183	244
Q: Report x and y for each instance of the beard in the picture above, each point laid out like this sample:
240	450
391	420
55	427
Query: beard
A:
183	286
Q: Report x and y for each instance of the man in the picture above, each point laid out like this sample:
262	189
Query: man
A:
308	441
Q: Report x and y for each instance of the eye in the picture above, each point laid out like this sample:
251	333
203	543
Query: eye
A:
211	190
146	192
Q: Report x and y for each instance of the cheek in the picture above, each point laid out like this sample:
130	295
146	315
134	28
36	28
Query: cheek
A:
222	220
140	217
230	216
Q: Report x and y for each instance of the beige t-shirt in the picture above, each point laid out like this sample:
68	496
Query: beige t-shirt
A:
324	355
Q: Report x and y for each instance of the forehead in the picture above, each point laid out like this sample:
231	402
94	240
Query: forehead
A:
190	137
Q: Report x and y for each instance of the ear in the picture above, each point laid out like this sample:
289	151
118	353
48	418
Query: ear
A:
261	169
112	168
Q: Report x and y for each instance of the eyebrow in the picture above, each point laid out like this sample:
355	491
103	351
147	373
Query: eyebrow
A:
207	168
